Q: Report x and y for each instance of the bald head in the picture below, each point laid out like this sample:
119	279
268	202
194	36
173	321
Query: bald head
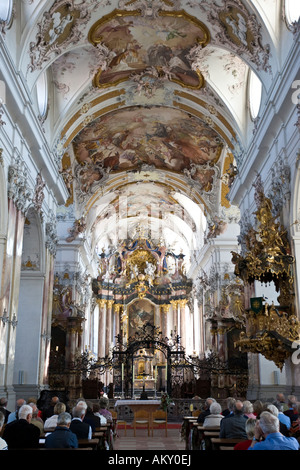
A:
238	407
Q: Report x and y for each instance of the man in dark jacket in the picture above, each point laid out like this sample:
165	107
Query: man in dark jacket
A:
234	427
21	434
78	427
62	437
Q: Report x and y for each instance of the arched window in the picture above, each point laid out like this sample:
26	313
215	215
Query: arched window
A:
292	11
42	94
254	90
5	10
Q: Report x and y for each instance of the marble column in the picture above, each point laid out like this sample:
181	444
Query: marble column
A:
164	309
222	346
108	331
46	317
9	296
102	327
182	305
116	330
174	327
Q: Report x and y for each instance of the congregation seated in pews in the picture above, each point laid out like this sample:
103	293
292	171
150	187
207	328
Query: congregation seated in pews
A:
84	426
245	426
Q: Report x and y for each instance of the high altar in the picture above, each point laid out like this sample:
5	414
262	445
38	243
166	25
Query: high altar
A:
141	283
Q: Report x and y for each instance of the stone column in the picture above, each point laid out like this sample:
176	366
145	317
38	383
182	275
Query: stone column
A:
164	309
108	334
222	346
102	327
174	328
182	305
9	296
117	310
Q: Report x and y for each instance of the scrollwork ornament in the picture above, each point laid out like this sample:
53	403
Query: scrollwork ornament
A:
18	188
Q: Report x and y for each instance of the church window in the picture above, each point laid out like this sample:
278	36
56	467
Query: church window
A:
255	91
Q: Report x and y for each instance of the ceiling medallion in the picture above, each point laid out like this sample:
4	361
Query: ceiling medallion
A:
156	46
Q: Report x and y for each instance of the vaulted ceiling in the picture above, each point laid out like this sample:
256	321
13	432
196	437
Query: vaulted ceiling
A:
148	105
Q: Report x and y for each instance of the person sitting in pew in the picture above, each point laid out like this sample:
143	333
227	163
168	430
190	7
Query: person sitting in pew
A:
21	433
62	437
51	422
235	426
214	418
250	427
205	410
268	437
78	427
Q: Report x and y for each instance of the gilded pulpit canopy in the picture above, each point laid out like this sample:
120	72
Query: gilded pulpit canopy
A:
270	330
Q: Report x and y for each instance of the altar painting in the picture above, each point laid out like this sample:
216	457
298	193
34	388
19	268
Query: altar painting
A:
139	313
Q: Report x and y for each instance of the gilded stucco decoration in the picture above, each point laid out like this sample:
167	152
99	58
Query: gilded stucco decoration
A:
58	29
270	330
268	256
238	29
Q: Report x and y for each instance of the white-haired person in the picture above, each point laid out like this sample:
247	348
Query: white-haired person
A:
268	437
21	433
214	418
3	443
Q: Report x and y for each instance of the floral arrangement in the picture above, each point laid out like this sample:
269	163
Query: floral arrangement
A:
165	401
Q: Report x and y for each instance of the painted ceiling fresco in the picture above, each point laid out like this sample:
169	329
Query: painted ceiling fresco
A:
165	138
140	44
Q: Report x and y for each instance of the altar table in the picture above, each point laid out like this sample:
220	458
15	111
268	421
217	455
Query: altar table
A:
135	405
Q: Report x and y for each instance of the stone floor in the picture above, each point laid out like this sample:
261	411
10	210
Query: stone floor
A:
144	442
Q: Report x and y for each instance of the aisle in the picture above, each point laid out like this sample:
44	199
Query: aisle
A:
142	442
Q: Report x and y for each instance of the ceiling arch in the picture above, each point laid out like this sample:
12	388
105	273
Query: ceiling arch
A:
149	102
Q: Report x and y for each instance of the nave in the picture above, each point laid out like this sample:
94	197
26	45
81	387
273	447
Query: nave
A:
149	199
159	441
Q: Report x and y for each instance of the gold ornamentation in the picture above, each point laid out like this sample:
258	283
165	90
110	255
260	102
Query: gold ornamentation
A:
268	257
139	258
165	308
95	38
141	289
270	332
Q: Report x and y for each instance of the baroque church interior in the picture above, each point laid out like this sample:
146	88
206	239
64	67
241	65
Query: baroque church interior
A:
149	198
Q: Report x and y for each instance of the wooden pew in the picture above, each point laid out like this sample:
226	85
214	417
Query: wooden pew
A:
221	443
203	435
92	443
188	422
